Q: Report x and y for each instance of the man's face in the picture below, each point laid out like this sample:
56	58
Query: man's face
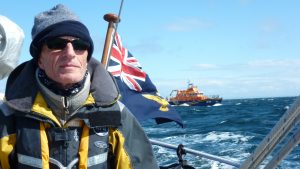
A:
64	60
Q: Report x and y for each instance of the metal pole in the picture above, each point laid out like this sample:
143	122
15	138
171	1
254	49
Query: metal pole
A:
284	151
286	123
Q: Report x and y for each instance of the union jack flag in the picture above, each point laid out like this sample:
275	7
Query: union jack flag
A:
125	66
138	93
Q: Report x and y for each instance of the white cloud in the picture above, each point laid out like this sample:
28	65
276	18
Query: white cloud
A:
275	63
257	78
206	66
270	26
147	47
188	25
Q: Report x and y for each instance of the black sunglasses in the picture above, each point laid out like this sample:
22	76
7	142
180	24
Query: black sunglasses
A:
59	43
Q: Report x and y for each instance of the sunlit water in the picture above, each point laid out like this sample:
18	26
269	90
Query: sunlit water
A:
231	130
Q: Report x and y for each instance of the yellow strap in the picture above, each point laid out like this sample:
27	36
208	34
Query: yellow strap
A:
44	147
117	141
6	146
83	148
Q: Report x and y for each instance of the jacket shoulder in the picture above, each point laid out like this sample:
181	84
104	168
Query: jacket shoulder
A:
5	110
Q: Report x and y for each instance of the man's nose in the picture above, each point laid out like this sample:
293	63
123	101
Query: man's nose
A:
69	50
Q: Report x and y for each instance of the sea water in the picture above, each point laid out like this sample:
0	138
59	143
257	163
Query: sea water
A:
231	130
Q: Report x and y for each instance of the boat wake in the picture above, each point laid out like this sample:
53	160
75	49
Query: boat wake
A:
218	104
184	104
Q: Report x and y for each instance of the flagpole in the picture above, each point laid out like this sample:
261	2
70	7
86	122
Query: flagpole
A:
111	19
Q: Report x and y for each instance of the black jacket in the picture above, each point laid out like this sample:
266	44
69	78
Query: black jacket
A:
102	134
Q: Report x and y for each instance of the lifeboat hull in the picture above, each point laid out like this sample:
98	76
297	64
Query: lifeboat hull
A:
208	102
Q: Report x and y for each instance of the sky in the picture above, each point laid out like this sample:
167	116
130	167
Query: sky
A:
233	48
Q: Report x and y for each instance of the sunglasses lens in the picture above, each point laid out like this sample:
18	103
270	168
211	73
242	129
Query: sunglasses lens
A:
79	44
58	43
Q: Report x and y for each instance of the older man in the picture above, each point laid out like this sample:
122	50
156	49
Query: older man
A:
62	108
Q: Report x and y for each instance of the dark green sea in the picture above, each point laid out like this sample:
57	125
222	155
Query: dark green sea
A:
231	130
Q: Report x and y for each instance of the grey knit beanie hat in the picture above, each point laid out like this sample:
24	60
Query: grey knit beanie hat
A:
56	22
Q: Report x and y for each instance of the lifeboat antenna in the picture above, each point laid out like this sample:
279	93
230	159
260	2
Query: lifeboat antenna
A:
190	84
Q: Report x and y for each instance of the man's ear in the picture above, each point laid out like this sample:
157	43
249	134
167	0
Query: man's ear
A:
39	62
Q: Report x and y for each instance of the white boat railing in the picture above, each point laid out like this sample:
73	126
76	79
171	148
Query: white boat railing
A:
230	162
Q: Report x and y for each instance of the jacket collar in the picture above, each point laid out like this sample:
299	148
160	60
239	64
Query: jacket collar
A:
22	88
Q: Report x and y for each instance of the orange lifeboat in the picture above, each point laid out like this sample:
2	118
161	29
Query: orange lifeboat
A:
192	97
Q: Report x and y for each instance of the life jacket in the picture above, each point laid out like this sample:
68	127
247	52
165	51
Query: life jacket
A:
28	127
74	145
